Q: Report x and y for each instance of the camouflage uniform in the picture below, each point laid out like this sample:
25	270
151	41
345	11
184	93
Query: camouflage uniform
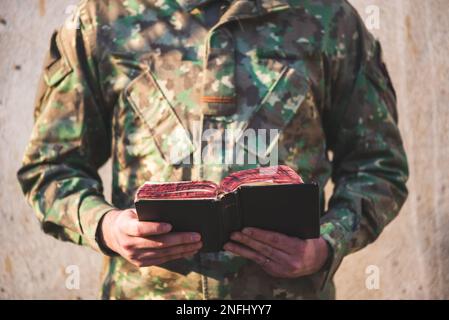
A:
140	81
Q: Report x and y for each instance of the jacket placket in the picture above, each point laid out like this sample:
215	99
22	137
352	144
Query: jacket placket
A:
219	99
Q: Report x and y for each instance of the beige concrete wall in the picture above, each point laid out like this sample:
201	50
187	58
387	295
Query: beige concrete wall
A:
412	255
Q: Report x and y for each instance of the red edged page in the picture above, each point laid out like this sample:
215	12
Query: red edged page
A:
178	190
209	190
266	175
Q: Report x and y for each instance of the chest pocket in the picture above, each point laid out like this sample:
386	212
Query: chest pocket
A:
149	102
287	95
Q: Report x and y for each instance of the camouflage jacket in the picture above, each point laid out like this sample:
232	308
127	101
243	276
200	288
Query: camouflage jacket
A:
154	83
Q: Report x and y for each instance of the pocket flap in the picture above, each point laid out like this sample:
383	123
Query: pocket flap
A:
276	110
149	102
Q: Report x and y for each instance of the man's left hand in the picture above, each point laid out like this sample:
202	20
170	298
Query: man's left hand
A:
279	255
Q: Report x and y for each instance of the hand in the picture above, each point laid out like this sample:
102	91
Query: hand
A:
146	243
279	255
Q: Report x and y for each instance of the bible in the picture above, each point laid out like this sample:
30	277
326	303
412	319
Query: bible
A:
269	198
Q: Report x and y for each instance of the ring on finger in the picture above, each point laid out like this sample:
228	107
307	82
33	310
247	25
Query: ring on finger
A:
267	261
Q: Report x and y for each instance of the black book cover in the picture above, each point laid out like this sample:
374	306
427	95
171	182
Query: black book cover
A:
290	209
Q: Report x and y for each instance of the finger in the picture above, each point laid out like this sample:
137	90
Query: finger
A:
279	241
176	239
260	247
160	253
158	261
136	228
271	267
166	241
245	253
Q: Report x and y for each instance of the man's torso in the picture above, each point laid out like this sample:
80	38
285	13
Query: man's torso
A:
157	63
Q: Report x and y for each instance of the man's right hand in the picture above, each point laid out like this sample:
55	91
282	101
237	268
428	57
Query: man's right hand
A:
146	243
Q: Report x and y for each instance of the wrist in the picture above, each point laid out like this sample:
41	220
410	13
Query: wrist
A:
323	254
106	237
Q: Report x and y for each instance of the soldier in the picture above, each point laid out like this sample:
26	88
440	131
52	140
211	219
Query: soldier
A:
143	81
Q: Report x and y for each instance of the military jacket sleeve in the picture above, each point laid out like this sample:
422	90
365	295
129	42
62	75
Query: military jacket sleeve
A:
70	139
369	163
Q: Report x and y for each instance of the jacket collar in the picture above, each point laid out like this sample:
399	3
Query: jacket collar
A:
260	7
189	5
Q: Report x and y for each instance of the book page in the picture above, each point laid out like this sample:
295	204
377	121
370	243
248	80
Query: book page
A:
260	176
177	190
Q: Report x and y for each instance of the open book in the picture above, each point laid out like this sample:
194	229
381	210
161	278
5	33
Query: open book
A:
273	198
